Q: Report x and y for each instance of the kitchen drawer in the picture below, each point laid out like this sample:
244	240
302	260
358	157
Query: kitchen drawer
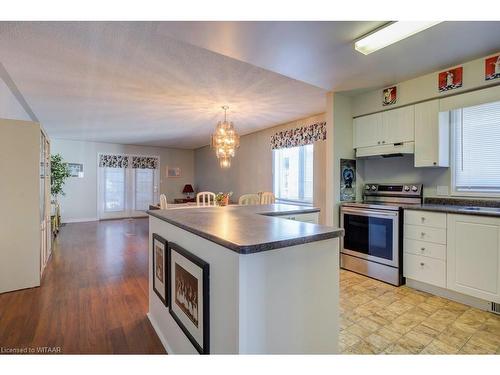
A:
427	234
425	269
429	219
428	249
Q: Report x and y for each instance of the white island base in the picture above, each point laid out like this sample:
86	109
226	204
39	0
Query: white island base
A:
278	301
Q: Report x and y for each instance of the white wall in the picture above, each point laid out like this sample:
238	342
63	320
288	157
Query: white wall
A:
342	147
251	169
397	170
80	202
10	108
422	88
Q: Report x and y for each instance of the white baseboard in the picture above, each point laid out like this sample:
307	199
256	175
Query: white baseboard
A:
449	294
160	335
80	220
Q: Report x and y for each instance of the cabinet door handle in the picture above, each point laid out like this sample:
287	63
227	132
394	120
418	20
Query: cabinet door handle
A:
435	163
421	264
383	141
378	142
423	219
422	234
422	249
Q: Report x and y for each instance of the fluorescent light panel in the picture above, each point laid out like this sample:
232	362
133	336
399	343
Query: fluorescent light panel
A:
390	34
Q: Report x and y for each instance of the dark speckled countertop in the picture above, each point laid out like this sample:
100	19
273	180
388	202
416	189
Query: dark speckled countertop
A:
249	229
478	207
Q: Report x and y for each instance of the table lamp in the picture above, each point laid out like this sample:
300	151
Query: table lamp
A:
188	189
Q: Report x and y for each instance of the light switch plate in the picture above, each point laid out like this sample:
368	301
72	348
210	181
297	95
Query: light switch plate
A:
442	190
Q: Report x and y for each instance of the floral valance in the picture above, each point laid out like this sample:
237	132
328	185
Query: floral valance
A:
113	161
299	136
126	161
144	162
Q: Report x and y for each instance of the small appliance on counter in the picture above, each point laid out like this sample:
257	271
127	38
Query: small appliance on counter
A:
373	240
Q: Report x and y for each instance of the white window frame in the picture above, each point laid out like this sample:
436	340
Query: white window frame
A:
130	210
454	191
292	201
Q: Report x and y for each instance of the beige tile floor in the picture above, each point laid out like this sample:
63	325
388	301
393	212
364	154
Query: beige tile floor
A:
377	318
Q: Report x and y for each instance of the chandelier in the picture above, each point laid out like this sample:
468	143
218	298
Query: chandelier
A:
225	141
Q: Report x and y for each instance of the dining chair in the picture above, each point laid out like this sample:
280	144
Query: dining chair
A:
205	198
163	202
267	198
249	199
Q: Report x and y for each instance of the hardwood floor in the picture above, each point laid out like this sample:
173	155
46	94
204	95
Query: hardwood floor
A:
94	294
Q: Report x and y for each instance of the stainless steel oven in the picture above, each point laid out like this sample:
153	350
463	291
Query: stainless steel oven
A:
371	234
372	244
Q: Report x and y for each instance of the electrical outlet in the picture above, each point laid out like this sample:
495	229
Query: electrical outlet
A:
442	190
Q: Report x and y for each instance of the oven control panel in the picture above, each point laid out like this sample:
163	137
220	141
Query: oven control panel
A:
393	189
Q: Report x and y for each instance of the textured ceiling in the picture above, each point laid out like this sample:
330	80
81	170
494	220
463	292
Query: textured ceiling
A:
162	83
129	83
322	53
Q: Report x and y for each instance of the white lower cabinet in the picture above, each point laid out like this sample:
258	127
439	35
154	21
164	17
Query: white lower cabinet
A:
457	252
427	249
473	256
424	257
424	233
425	269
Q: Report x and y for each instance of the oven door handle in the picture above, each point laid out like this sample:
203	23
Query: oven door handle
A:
362	212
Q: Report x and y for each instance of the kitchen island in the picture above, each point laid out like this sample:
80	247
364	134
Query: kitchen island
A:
273	282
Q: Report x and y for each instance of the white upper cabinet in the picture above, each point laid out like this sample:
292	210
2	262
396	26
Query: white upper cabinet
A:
431	135
398	125
384	128
367	130
473	256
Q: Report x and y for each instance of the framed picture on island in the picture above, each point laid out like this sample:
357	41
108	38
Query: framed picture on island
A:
160	268
189	296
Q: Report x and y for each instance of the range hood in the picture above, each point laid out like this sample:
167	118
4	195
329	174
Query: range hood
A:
386	151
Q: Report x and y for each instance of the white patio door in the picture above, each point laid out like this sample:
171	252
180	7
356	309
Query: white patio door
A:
127	185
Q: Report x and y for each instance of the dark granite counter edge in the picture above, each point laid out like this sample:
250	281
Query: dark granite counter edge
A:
447	201
250	249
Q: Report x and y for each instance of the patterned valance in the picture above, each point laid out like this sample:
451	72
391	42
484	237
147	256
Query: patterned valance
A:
299	136
113	161
144	162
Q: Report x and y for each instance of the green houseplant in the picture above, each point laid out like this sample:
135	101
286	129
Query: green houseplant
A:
59	172
222	199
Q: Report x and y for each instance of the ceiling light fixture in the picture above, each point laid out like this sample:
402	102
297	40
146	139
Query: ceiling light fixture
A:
225	141
392	33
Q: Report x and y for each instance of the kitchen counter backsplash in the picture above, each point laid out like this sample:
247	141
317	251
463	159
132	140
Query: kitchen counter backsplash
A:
462	202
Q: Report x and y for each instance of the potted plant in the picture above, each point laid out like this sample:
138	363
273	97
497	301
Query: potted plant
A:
59	172
222	199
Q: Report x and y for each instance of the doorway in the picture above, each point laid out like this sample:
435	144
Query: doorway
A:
127	185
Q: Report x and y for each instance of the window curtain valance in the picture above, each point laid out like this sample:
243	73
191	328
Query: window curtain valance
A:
144	162
302	136
125	161
113	161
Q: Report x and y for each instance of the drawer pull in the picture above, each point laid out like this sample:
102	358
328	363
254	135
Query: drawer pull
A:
422	264
422	234
423	219
422	249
